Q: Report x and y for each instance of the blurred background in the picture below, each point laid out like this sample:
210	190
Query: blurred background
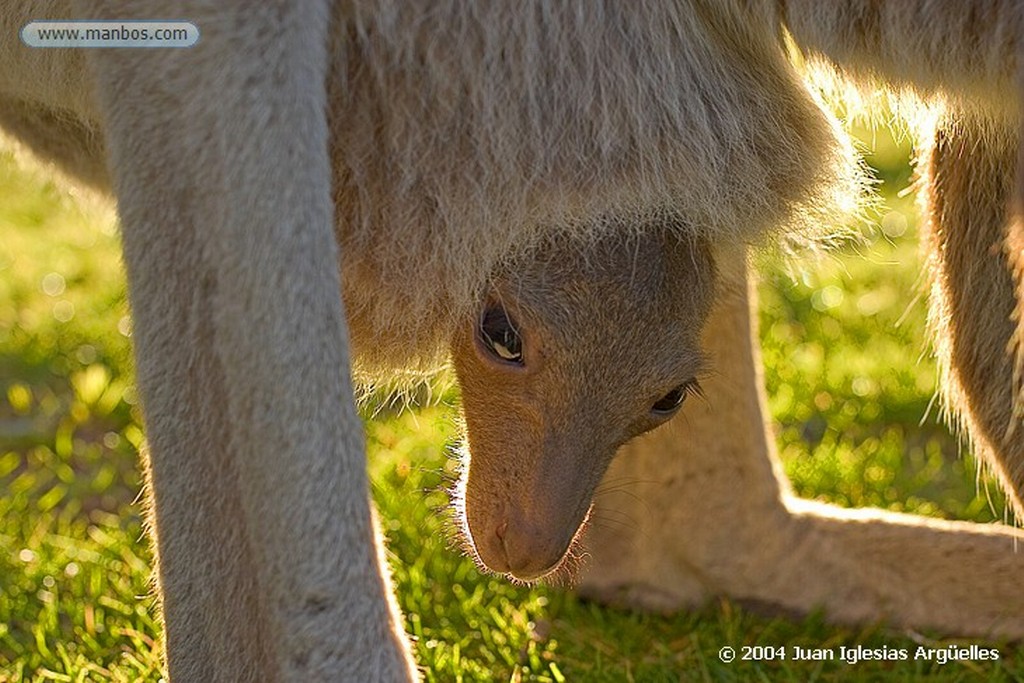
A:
851	384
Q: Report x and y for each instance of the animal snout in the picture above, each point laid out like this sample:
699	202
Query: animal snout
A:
521	548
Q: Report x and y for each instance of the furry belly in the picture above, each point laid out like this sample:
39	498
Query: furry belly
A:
462	135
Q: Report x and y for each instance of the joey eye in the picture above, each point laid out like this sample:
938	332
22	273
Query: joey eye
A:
499	335
670	402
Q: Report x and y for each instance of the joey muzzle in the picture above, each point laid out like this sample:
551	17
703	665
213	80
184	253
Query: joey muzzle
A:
526	539
524	505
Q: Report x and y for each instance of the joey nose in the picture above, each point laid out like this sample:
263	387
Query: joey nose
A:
524	550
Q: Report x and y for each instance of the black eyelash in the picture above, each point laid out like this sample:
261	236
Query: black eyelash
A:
675	398
693	388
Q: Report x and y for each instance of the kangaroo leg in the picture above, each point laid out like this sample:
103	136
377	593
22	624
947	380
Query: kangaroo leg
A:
1015	251
700	508
269	567
971	169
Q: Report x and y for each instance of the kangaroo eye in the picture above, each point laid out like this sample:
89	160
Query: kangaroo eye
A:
670	402
498	333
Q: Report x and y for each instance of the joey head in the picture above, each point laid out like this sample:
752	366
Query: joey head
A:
575	349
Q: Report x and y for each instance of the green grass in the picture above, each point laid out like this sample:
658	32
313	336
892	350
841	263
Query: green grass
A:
849	388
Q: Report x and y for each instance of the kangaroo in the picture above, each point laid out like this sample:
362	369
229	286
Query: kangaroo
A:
549	394
326	188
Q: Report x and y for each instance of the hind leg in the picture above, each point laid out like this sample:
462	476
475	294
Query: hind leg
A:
1015	250
268	566
699	508
971	171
